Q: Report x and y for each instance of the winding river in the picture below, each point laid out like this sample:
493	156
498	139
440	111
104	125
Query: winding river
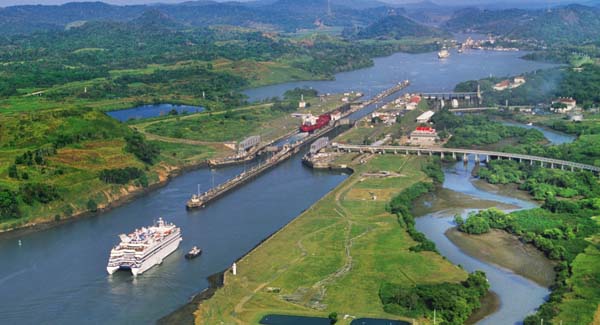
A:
58	275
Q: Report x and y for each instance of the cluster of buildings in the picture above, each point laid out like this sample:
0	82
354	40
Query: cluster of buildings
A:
424	135
389	113
387	118
510	84
488	44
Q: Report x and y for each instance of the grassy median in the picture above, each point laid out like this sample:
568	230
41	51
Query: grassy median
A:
335	256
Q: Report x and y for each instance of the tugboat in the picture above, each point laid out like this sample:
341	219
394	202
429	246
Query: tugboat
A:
193	253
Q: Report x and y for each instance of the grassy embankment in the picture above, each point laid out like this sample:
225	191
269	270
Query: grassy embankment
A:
234	125
333	257
76	145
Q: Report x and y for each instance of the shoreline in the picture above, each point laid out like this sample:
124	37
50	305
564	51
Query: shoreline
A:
116	203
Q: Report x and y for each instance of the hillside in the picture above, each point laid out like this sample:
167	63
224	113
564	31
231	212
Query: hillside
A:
573	24
397	27
287	15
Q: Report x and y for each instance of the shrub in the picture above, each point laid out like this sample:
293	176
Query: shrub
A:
92	205
9	206
142	149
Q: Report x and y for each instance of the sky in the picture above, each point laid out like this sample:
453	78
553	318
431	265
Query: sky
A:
6	3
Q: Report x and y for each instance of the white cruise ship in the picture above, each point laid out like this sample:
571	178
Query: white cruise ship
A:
144	248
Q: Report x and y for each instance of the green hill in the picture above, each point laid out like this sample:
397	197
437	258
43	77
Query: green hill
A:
572	24
397	27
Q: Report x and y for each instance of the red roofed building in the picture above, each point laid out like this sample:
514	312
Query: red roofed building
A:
568	102
503	85
423	136
413	102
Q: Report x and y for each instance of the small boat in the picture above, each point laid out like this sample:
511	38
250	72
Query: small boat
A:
443	54
194	252
530	124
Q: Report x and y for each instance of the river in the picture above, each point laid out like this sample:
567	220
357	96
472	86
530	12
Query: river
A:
518	296
58	275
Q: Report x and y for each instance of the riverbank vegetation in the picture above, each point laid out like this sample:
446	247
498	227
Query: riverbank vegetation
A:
453	302
541	183
476	131
336	256
565	228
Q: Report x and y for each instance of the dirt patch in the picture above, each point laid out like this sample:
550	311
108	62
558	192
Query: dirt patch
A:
505	250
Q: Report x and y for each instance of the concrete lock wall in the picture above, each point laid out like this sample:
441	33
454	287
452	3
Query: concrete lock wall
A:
319	144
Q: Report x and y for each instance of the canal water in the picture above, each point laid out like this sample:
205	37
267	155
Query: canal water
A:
425	71
58	275
148	111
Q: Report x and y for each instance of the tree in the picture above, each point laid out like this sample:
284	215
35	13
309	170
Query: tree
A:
333	317
9	206
143	150
12	171
476	225
458	220
92	205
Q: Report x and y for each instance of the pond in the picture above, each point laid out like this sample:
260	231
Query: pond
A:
148	111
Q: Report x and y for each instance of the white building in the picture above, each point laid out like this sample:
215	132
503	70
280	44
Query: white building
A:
570	104
302	103
425	117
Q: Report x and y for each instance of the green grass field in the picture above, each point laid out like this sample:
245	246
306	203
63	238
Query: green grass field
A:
333	257
235	124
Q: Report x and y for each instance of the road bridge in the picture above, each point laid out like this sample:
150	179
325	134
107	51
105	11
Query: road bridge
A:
479	155
476	109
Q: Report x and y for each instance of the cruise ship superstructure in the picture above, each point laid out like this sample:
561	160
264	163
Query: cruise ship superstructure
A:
144	248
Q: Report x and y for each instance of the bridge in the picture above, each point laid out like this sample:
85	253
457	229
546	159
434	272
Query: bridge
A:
480	155
451	95
477	109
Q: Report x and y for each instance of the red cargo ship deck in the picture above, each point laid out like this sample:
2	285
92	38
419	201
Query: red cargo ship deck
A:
322	121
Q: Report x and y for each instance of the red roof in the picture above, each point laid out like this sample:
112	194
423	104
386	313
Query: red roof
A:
566	100
425	129
415	99
503	83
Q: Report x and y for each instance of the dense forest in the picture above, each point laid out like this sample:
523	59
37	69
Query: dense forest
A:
287	15
472	130
571	24
394	27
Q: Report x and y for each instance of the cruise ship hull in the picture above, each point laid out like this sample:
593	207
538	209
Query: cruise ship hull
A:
149	262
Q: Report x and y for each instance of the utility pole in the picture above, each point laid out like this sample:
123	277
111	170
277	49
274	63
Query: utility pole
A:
329	8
